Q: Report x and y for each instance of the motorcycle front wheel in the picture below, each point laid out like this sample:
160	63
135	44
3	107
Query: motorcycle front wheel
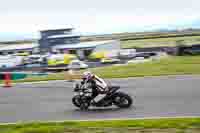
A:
122	100
80	102
76	100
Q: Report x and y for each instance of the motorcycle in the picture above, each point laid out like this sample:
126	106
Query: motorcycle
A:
83	98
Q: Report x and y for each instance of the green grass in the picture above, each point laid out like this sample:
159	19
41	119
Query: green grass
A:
167	66
172	65
144	43
114	126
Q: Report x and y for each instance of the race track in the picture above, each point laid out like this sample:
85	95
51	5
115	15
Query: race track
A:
153	97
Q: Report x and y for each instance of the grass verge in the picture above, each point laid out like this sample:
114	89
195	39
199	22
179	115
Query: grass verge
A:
168	66
160	42
170	125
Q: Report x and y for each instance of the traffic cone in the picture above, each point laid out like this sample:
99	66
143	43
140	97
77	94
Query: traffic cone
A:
7	80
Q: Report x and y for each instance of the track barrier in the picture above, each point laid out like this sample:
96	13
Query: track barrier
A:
7	77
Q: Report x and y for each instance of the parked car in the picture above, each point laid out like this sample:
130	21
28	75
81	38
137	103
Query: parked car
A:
127	53
109	60
77	64
9	61
33	59
138	60
145	54
60	59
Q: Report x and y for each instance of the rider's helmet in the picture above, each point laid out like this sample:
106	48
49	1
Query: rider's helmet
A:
87	75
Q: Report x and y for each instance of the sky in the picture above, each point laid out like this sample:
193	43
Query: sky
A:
25	18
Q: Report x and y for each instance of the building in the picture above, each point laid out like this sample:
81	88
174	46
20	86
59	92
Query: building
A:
67	41
62	41
51	38
84	49
6	49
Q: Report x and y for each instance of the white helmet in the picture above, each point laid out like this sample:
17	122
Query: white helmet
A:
87	75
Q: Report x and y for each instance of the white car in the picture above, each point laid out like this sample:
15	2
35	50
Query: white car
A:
109	60
77	64
8	61
127	53
33	59
138	60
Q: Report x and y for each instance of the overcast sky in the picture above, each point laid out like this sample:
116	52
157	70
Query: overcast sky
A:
95	16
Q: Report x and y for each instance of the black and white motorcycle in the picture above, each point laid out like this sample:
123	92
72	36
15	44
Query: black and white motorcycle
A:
82	98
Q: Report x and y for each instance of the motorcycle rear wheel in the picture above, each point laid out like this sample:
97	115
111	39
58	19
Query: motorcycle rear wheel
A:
122	100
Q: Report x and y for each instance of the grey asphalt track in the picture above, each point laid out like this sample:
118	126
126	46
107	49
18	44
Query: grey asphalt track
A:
153	97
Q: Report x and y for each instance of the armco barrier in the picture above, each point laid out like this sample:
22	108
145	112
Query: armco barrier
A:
12	75
16	76
9	76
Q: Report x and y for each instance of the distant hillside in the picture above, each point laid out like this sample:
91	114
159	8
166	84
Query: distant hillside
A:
143	35
162	33
20	41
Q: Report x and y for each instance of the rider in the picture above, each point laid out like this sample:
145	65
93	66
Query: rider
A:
98	85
